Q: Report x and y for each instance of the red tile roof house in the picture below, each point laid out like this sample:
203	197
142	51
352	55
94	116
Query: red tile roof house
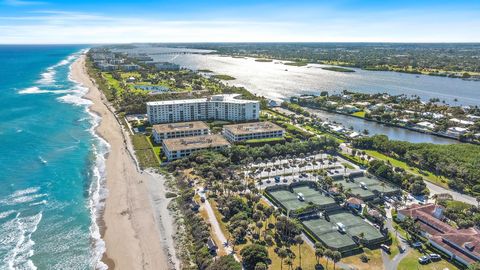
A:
462	245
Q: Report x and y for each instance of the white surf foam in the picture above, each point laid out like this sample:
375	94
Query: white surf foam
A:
25	191
97	189
23	196
37	90
16	237
6	214
48	77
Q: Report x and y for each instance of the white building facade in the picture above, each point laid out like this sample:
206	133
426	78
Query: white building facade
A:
217	107
249	131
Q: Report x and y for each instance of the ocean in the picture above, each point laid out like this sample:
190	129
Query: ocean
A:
51	163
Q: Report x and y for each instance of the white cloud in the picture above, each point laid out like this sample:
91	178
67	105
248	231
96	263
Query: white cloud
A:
51	26
19	3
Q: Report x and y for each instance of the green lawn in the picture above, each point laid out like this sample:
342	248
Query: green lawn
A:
223	77
112	83
144	152
338	69
265	140
439	180
359	114
411	262
263	60
296	64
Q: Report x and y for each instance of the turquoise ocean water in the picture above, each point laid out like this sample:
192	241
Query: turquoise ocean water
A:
51	163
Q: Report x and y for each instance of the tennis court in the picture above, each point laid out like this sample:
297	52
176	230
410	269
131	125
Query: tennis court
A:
328	233
312	195
354	225
288	199
376	184
371	184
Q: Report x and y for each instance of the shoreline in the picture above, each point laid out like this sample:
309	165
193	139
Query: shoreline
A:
135	223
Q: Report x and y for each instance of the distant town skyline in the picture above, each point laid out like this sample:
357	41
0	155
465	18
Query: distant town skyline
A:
62	22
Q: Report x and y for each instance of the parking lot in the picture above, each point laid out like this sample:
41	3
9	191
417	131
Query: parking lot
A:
289	171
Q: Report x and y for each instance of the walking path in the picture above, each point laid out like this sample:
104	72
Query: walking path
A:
215	227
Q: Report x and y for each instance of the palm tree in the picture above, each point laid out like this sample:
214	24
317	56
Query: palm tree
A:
289	262
318	254
336	256
328	254
282	254
299	241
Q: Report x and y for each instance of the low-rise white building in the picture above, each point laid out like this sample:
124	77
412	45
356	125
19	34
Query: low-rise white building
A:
179	130
456	131
217	107
181	147
426	125
460	122
249	131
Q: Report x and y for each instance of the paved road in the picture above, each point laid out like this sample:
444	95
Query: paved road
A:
434	189
215	226
393	263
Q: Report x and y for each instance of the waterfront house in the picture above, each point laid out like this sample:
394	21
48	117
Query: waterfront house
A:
425	125
456	131
348	109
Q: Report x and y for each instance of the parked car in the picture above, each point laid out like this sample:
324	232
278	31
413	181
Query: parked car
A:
202	199
417	245
303	175
277	179
434	257
424	259
385	247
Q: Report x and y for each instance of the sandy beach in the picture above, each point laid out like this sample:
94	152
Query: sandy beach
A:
136	225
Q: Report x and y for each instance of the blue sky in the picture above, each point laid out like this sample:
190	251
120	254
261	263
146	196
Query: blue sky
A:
108	21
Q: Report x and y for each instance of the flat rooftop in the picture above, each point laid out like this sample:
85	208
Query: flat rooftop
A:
178	127
196	142
249	128
230	98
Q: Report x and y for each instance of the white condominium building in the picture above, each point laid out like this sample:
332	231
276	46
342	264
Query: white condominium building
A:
178	130
182	147
249	131
217	107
